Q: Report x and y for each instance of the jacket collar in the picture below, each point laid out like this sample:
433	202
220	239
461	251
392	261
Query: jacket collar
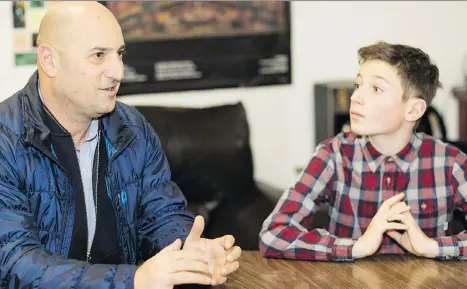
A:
115	130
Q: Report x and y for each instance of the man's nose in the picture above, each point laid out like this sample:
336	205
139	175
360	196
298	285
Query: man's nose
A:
115	69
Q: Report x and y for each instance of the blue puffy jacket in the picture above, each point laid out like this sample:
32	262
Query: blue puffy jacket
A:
37	210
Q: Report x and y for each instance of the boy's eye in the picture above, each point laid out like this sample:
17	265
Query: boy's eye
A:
356	85
377	89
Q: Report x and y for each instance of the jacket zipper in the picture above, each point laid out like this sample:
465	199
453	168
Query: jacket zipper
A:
88	254
117	210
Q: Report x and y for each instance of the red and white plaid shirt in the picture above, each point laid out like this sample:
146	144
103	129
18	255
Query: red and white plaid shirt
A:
349	174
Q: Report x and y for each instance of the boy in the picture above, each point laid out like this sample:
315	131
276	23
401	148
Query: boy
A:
389	189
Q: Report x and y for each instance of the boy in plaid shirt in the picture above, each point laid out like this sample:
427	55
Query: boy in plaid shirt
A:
389	189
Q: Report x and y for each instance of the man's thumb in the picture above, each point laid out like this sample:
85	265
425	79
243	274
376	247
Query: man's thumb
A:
196	230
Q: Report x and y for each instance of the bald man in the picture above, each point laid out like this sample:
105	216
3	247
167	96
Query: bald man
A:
85	188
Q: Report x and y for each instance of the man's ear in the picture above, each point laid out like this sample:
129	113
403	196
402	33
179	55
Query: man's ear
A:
47	59
416	107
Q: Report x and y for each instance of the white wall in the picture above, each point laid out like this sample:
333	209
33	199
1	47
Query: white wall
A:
326	36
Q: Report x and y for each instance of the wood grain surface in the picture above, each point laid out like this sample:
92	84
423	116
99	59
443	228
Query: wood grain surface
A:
382	271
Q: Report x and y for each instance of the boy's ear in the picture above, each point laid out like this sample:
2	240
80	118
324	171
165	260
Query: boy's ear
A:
416	107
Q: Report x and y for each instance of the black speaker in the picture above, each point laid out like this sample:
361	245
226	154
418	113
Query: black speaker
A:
332	103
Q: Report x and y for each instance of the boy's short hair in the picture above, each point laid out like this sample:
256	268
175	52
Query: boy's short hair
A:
419	76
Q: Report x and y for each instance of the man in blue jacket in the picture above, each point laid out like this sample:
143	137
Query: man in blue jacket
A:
85	188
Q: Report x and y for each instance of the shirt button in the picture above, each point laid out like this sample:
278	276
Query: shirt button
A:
388	180
423	206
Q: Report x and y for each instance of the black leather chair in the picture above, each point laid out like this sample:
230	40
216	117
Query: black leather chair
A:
209	153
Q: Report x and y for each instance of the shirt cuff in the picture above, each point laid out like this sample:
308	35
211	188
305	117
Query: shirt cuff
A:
448	248
342	249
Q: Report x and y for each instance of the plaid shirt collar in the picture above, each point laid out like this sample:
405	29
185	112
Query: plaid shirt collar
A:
402	158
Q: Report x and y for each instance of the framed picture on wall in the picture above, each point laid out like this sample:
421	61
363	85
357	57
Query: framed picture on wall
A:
194	45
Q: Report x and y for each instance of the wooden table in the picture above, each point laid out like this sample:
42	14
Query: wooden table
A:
383	271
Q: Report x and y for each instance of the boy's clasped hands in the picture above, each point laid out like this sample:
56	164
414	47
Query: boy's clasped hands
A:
394	215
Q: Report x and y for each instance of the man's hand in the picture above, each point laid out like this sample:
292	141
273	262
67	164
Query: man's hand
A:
369	243
173	266
413	239
222	255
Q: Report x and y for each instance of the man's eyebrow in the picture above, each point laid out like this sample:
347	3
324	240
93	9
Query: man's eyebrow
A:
104	49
